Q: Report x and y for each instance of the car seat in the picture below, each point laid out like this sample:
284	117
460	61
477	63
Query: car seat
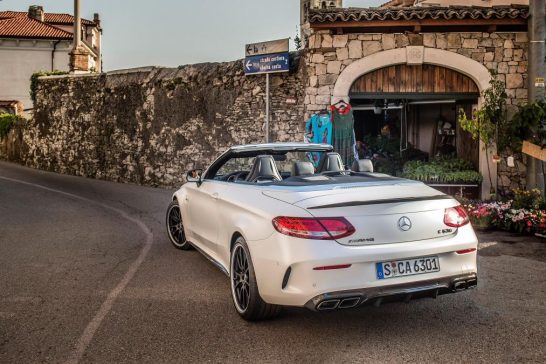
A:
363	165
300	168
264	170
331	162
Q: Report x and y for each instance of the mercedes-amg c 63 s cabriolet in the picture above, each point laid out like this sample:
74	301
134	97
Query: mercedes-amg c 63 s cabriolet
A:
288	233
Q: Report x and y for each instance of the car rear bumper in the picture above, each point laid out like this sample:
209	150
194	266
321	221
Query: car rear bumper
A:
398	292
284	268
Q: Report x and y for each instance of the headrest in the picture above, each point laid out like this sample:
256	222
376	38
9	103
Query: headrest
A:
302	168
331	162
264	170
363	165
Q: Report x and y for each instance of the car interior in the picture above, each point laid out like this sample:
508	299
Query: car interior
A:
296	169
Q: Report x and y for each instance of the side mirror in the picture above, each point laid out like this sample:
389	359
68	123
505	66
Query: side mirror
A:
194	175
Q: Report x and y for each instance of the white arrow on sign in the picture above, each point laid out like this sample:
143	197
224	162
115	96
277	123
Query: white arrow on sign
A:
248	65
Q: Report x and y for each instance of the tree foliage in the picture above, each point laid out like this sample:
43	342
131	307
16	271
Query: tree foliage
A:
490	120
297	40
7	121
486	122
527	124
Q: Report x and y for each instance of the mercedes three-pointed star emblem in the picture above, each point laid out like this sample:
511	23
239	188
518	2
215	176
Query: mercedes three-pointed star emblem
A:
404	223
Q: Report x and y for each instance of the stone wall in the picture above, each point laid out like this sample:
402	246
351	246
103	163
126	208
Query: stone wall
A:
504	53
150	126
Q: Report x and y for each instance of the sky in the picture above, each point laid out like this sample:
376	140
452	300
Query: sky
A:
177	32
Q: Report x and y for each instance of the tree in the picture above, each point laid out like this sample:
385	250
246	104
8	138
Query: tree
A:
297	40
489	120
529	117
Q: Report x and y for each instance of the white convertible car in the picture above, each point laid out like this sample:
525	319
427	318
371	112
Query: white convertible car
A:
289	234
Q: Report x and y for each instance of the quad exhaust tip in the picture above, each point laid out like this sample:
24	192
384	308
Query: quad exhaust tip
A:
466	284
349	302
328	305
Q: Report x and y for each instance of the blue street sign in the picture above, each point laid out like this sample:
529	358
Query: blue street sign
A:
267	63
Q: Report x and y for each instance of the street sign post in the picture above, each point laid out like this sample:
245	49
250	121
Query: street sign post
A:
268	63
265	58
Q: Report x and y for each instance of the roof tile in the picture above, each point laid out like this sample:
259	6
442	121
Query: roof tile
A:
24	27
53	18
418	13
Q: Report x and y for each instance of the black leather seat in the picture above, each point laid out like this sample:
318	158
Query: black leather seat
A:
363	165
331	162
300	168
264	170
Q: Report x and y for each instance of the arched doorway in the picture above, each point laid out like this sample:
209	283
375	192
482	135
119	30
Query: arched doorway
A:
419	88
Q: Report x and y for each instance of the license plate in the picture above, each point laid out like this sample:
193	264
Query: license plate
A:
408	267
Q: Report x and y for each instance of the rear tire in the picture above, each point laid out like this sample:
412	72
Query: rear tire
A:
175	227
244	288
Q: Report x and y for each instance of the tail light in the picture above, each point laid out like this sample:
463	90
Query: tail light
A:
456	217
466	251
324	228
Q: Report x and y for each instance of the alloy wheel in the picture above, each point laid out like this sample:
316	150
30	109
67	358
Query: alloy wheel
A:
176	227
240	282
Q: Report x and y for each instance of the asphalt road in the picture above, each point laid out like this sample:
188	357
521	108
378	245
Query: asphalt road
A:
88	275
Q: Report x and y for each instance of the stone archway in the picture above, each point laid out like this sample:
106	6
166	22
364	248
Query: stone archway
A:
416	55
411	55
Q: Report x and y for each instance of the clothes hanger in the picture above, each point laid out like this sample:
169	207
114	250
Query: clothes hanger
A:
341	102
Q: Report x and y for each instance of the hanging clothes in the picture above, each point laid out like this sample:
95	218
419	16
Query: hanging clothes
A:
318	129
344	133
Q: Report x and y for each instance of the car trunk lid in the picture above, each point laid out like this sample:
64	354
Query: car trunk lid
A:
384	214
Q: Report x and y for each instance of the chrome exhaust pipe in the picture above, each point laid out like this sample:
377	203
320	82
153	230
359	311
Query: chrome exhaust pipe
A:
468	283
349	302
459	286
472	283
328	305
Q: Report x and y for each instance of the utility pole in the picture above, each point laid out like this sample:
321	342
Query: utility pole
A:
536	74
77	24
267	107
79	56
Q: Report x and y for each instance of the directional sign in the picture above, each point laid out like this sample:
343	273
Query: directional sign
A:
268	63
274	46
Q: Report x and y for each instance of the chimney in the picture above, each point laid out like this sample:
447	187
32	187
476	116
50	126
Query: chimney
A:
96	19
36	12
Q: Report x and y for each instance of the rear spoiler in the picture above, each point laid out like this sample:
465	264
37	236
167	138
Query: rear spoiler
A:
381	202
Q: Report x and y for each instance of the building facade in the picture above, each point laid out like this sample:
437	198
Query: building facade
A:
414	68
38	41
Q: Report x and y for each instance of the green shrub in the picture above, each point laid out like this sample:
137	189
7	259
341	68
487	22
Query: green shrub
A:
7	121
442	171
34	80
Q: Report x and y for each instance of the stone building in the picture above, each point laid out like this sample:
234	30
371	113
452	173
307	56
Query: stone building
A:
39	41
416	67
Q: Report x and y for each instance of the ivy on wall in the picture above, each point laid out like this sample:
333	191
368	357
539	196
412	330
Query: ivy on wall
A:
7	121
34	80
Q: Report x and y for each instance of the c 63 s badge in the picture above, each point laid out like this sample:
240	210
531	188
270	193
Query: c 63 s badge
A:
445	231
361	241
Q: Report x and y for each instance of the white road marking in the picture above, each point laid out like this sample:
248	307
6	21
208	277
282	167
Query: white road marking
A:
106	307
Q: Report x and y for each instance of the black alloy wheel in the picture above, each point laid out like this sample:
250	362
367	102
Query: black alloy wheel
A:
175	227
244	287
240	279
